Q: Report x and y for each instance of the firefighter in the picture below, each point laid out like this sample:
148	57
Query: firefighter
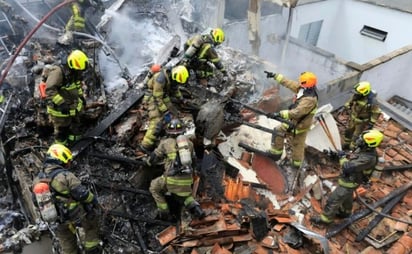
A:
160	88
177	153
64	96
77	20
200	52
355	171
364	112
300	114
76	205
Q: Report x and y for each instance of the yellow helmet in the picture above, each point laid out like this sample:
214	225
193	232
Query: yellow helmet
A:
307	79
180	74
77	60
363	88
59	152
218	35
372	137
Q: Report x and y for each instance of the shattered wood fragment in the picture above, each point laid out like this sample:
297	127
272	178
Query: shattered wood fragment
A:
167	235
279	227
217	249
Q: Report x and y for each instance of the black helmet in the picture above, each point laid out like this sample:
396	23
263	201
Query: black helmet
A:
175	127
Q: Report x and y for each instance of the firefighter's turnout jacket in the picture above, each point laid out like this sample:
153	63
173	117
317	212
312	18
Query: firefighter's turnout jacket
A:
355	171
160	89
176	179
65	101
63	89
204	52
300	113
364	112
72	201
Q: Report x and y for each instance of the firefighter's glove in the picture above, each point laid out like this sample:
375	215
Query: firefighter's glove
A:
275	115
64	108
370	126
270	74
163	214
83	101
91	208
284	114
341	154
167	117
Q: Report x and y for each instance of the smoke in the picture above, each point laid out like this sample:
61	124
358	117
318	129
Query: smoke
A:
136	40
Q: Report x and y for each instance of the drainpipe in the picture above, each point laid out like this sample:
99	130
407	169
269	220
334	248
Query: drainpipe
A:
253	15
292	4
29	35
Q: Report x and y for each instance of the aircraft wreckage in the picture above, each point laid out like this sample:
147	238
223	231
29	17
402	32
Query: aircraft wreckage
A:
252	204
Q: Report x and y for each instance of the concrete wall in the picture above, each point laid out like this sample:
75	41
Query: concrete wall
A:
342	22
298	58
390	74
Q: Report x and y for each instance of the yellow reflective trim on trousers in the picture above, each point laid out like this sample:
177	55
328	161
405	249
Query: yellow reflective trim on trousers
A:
91	244
183	194
73	112
276	151
56	113
325	218
350	185
179	182
296	163
162	206
57	99
189	200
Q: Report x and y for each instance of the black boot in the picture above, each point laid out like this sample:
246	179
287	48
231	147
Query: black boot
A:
275	157
195	209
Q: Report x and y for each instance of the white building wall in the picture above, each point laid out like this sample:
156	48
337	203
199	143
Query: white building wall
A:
392	77
342	22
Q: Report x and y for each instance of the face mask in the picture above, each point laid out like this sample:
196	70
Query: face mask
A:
299	94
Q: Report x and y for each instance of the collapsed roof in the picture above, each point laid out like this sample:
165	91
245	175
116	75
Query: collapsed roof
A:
249	211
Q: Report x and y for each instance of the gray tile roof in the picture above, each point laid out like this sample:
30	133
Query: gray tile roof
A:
401	5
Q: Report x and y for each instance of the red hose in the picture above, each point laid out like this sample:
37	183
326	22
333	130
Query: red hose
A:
29	35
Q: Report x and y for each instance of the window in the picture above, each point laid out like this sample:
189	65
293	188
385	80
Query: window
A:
374	33
309	33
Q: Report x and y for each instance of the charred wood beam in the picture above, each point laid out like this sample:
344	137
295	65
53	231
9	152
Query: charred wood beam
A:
257	220
121	159
361	214
387	208
252	149
139	236
396	168
138	218
133	96
119	187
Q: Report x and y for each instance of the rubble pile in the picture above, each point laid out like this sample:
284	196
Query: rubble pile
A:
252	204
